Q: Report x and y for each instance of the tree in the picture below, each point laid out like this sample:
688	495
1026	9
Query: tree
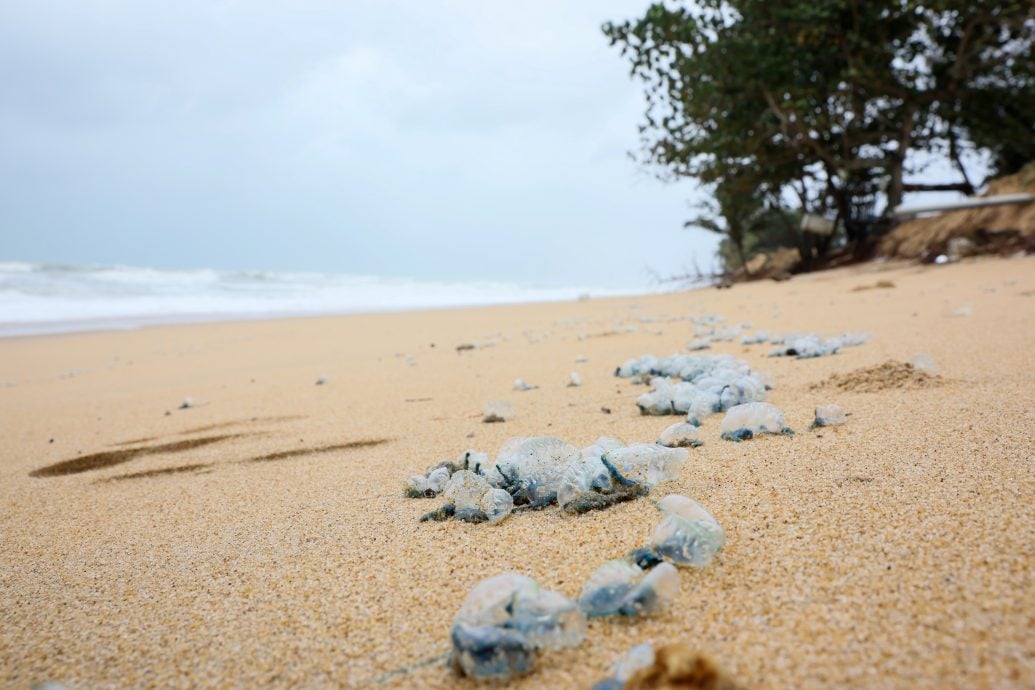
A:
819	104
748	224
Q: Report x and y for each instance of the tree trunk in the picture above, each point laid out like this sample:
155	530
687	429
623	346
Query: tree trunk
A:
954	153
738	243
895	190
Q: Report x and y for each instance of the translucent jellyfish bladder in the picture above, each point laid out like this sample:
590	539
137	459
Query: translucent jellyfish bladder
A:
472	499
626	666
505	622
688	535
497	411
751	419
648	463
829	415
680	435
620	587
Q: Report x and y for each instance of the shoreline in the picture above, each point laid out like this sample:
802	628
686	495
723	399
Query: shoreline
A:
138	322
260	536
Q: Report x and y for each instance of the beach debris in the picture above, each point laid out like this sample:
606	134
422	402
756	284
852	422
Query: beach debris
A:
646	667
688	535
506	621
756	339
321	381
497	411
879	285
853	339
574	379
581	359
751	419
520	385
533	473
187	403
829	415
464	347
620	587
605	410
923	362
964	311
679	435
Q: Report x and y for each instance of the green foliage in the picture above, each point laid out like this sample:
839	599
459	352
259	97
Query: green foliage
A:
749	225
822	100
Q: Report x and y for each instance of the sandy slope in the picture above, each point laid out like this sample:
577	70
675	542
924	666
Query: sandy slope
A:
895	551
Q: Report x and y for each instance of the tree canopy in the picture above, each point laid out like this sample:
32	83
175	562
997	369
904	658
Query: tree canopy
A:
818	104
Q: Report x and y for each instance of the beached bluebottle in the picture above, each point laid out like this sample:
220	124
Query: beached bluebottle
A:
923	362
751	419
470	498
688	534
829	415
647	463
626	666
757	338
497	411
680	435
620	587
506	621
725	335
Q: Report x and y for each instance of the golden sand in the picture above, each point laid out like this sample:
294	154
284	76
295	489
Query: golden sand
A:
260	538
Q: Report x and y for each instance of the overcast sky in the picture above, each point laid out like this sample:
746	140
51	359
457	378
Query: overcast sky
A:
447	140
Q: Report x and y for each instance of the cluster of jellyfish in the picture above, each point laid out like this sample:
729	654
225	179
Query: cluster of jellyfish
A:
506	621
532	473
708	330
702	385
706	385
804	345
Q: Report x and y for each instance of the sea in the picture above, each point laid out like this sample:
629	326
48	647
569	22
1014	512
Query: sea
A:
39	298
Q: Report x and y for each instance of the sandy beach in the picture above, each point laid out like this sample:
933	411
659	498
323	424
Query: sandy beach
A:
260	538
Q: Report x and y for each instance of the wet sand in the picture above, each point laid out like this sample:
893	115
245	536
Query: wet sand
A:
260	538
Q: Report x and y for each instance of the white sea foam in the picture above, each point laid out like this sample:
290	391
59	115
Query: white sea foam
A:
50	298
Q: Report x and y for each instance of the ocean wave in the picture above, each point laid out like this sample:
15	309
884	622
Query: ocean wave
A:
38	298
